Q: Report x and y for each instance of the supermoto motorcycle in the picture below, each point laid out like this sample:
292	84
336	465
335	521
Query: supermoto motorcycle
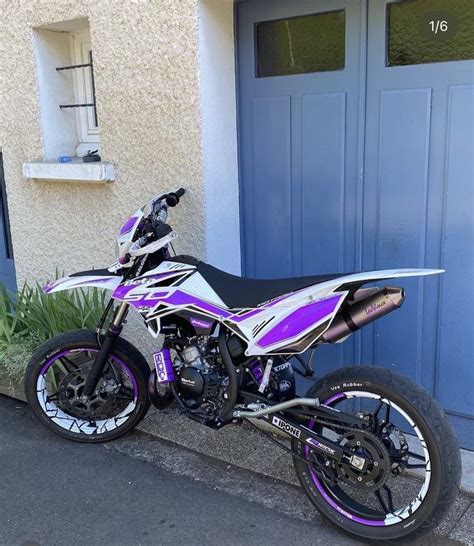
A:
373	451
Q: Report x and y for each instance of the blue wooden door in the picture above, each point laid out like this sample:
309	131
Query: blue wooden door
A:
418	199
299	139
7	268
366	164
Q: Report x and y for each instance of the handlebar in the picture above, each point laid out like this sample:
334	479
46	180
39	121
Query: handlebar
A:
161	205
172	199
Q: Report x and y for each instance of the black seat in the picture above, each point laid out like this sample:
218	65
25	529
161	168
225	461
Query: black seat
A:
239	292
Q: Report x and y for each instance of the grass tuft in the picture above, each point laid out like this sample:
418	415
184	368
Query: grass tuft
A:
30	317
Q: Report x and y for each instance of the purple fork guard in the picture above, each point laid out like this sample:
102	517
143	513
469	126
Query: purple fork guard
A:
48	363
300	320
164	366
322	491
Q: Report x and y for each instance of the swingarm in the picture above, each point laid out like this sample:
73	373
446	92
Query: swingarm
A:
293	428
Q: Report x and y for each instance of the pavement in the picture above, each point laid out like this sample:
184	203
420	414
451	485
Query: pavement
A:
142	489
242	448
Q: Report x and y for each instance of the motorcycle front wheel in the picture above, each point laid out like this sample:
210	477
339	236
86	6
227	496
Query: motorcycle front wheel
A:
56	376
415	472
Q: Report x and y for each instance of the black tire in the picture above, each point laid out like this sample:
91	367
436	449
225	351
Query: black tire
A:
436	430
123	351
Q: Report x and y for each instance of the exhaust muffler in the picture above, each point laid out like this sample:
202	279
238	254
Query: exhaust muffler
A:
369	304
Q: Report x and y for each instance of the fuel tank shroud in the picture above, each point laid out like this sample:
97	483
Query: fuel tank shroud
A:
370	304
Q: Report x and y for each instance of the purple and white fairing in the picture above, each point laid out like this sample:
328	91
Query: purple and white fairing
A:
288	324
99	281
125	238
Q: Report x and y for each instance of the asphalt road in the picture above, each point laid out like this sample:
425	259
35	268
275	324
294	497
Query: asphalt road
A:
139	491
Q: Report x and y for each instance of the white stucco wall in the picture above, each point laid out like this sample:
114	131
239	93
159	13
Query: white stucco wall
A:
166	109
219	133
148	103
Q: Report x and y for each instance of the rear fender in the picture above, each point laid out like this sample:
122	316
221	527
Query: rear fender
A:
108	282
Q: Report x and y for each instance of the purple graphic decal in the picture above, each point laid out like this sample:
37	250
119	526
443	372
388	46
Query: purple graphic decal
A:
198	323
179	298
334	398
248	314
48	287
164	366
330	500
121	292
300	320
262	307
128	226
256	369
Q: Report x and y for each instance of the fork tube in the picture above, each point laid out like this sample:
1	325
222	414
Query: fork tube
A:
113	332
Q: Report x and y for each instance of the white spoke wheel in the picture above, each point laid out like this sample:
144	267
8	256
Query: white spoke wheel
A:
57	373
416	468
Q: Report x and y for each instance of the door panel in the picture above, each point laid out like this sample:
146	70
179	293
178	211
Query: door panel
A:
456	373
366	166
323	156
400	219
271	161
418	212
299	142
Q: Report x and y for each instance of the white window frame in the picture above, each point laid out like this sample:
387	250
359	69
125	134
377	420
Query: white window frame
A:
87	129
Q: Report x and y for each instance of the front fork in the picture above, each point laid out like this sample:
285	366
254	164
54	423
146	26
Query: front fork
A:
113	332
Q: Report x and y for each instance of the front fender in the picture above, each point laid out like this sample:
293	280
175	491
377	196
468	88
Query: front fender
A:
98	278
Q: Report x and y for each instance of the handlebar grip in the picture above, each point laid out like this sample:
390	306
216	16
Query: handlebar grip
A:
172	199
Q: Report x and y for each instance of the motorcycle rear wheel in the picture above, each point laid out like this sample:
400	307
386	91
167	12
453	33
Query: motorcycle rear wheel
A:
438	460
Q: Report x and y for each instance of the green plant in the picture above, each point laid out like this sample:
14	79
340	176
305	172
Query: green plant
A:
9	324
30	317
15	356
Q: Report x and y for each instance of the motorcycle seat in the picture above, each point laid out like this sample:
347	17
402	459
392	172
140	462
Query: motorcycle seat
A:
240	292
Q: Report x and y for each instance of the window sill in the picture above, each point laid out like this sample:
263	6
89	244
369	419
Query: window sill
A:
76	170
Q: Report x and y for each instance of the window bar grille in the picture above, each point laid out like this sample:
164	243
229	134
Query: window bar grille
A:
85	104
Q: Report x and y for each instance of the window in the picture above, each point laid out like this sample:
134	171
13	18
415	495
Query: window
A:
430	31
311	43
64	69
84	90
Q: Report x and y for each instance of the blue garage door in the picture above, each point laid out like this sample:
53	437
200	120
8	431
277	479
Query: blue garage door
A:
7	268
356	150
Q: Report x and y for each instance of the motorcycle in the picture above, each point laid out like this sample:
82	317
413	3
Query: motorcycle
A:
373	451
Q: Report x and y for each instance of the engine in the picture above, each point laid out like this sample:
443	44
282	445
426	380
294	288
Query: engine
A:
201	379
